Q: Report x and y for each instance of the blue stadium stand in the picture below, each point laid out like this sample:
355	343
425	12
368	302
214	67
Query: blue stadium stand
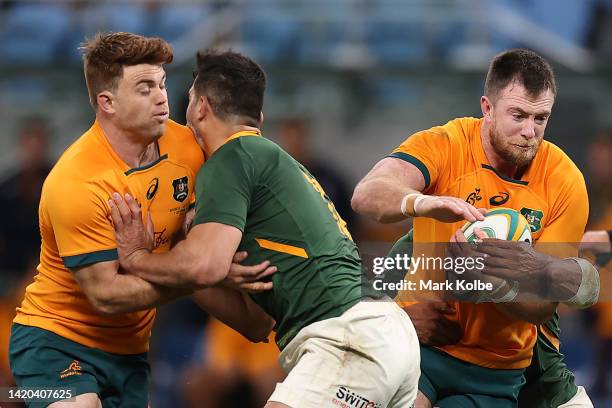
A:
32	33
171	21
270	30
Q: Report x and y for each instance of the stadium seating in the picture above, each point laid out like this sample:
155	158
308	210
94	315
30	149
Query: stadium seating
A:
31	33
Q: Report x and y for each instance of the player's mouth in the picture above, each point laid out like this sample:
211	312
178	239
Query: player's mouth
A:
161	116
524	147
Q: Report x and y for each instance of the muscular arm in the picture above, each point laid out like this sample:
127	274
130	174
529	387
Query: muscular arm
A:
237	310
111	292
379	195
532	312
201	260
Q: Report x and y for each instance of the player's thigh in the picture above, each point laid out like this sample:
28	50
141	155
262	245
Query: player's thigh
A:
369	355
41	359
312	380
88	400
579	400
129	377
443	376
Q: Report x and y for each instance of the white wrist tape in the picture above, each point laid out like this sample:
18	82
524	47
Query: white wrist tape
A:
418	200
405	203
588	291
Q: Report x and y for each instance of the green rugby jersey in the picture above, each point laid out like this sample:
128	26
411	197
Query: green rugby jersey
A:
549	382
252	184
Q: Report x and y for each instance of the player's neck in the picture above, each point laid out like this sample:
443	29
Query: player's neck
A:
223	132
134	152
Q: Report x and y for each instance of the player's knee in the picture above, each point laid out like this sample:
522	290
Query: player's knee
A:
88	400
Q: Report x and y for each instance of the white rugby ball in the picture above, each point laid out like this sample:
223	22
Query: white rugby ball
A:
502	223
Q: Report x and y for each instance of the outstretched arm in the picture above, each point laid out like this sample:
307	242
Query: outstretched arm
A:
237	310
201	260
391	192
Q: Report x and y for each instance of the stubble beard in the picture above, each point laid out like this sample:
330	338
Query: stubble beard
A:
510	154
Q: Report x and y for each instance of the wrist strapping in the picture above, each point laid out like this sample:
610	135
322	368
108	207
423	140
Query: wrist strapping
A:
588	291
407	207
410	204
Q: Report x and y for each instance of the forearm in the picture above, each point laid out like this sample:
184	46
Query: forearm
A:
236	310
180	268
380	198
127	293
588	285
532	312
572	281
564	277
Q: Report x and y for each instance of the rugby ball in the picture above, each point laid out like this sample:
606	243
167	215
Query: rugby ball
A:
501	223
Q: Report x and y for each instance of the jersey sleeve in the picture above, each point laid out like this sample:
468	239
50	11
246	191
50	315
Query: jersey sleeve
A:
224	187
83	232
428	151
569	213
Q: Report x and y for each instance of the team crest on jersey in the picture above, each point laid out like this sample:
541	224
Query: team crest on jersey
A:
181	188
533	217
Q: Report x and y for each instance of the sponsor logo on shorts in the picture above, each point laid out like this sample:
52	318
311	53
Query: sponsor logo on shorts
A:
73	369
345	398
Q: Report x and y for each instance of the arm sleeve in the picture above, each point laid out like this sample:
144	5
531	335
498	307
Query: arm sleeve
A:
428	151
224	187
568	218
79	217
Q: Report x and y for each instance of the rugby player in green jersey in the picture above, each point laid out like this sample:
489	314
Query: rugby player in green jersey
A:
342	344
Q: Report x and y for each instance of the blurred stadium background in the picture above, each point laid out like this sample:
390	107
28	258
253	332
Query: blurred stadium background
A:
348	81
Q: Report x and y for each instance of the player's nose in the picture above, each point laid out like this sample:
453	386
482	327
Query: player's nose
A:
528	130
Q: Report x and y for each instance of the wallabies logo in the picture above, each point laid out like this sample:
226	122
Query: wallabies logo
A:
533	217
181	189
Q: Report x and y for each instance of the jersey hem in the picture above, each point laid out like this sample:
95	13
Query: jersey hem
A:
56	328
77	261
413	160
517	364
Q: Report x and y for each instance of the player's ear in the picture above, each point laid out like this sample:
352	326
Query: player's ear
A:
105	102
204	107
261	118
486	106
